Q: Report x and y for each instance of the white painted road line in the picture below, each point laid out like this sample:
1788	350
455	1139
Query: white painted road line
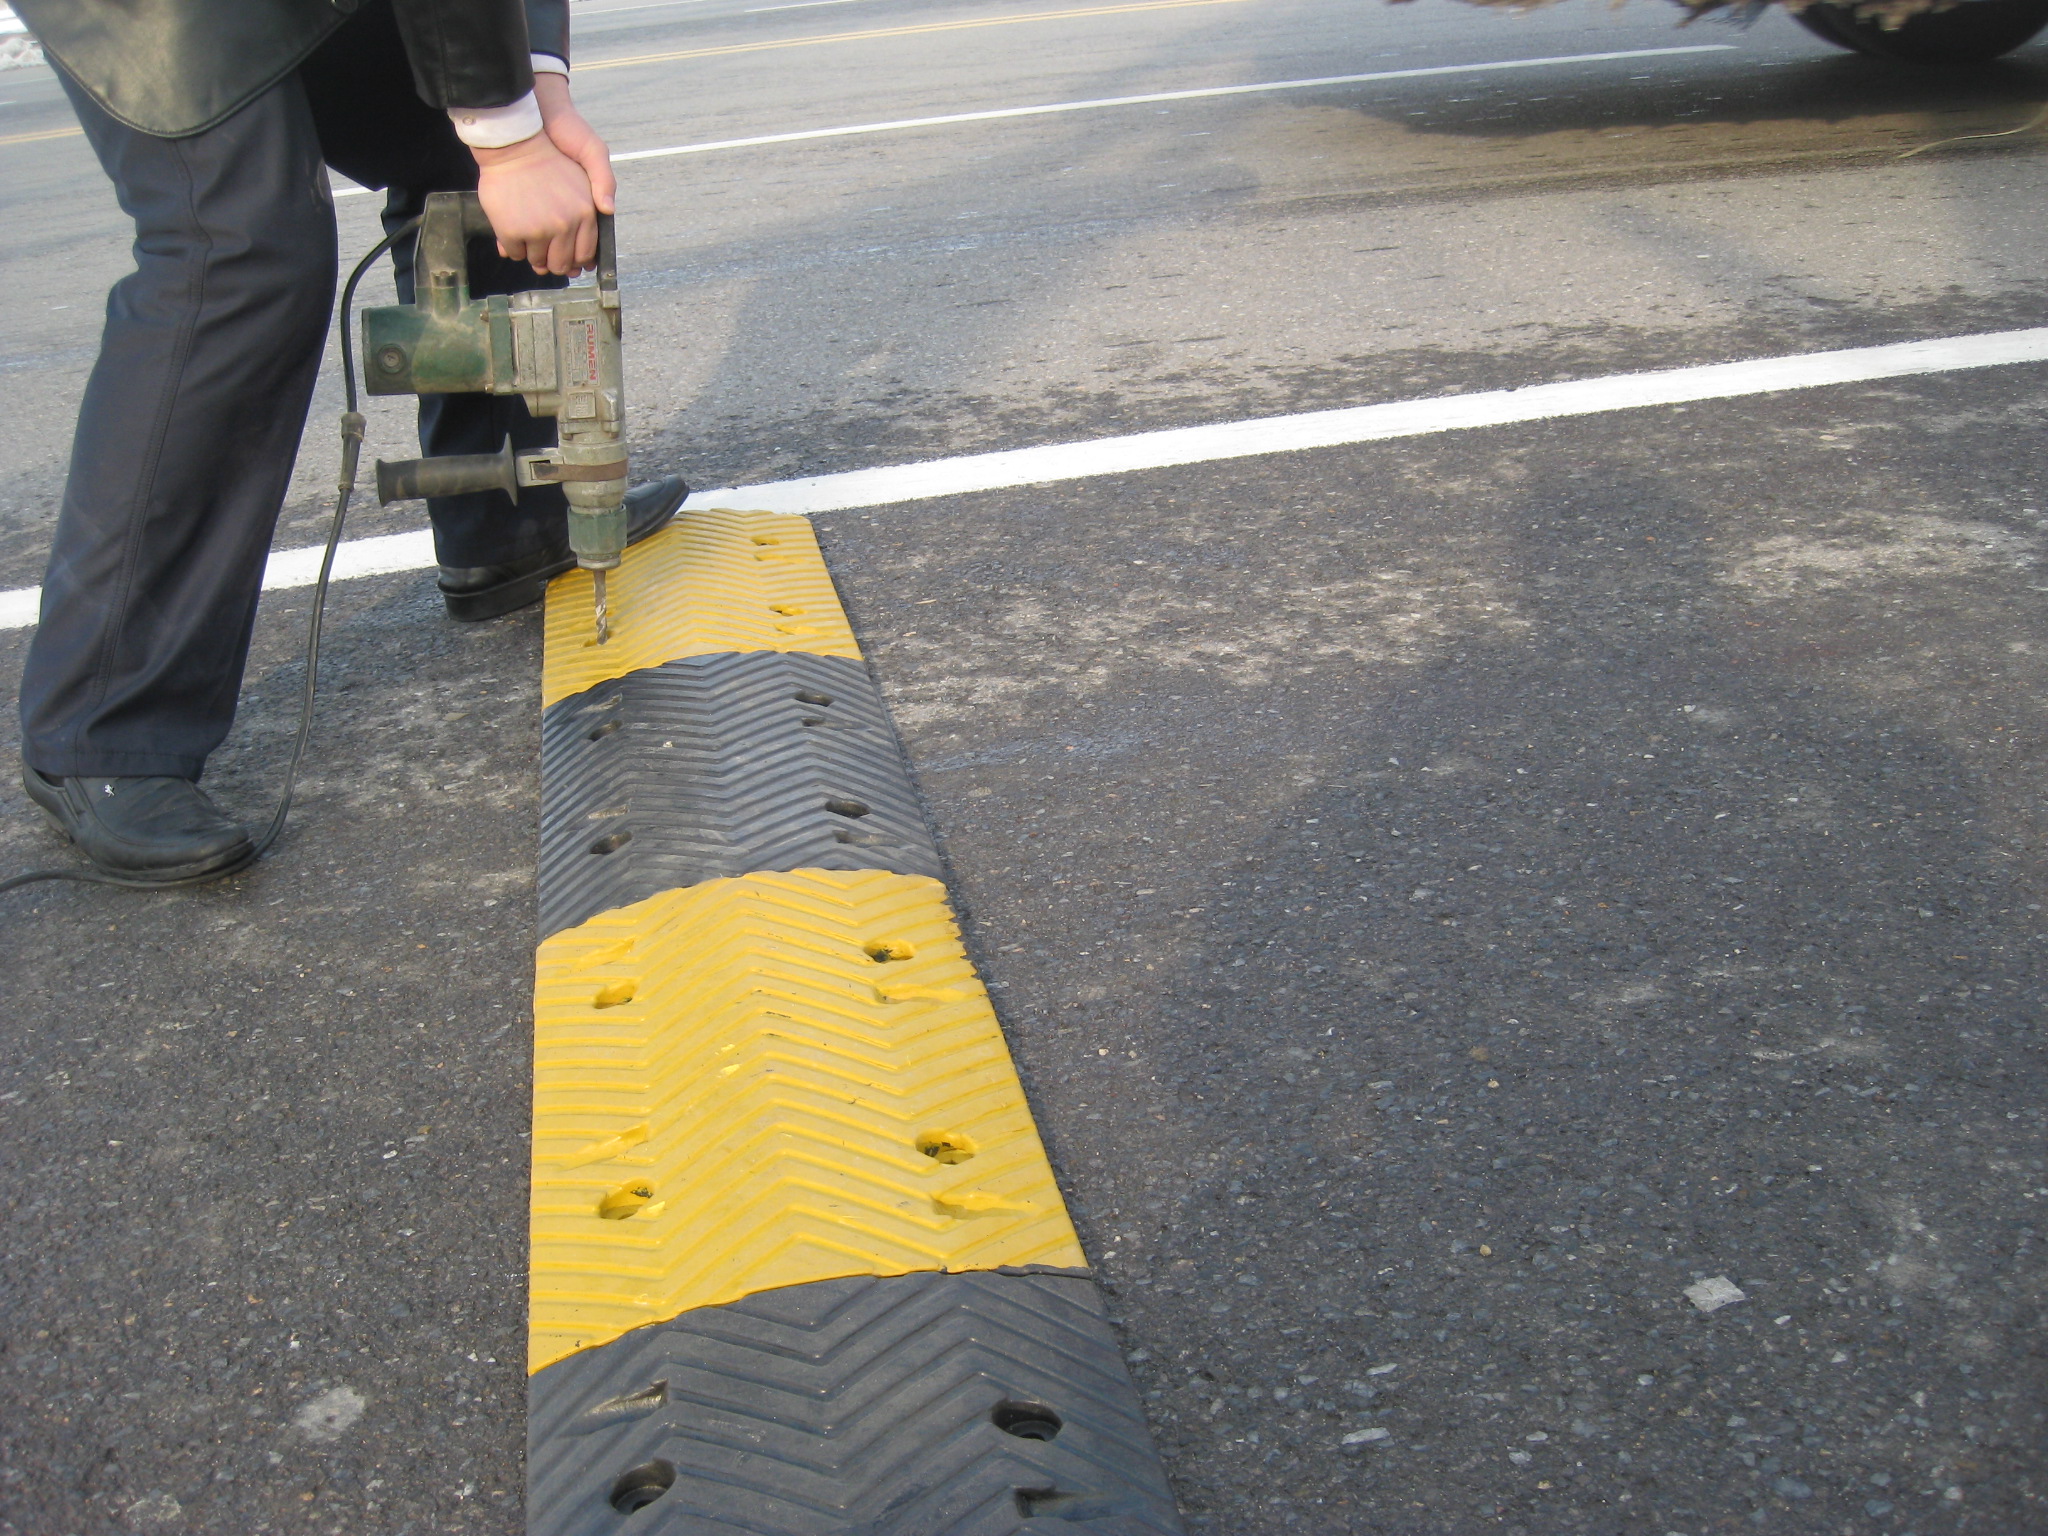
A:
286	569
1055	462
380	556
18	608
651	5
1376	423
800	5
997	114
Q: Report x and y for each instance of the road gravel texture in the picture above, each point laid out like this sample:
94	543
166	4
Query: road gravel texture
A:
1447	898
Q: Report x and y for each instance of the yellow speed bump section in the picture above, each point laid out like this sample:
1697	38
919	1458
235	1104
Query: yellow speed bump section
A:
768	1081
712	581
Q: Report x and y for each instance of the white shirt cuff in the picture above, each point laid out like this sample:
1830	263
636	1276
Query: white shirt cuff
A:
548	64
496	127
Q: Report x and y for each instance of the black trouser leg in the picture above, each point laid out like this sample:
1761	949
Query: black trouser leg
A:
185	441
192	415
375	130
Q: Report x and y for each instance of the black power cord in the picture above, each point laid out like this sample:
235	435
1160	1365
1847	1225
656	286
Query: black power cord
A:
352	427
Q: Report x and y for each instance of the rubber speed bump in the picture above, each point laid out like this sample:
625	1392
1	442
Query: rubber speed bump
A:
766	1081
719	765
709	582
800	1266
925	1403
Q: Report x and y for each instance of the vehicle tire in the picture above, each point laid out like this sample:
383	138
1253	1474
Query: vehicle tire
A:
1971	33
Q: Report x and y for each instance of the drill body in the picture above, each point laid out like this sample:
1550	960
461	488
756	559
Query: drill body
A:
556	347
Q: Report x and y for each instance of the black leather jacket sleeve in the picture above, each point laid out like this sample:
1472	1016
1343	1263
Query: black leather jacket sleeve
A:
466	53
547	29
173	67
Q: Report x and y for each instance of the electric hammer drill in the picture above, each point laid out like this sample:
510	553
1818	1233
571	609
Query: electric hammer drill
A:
558	347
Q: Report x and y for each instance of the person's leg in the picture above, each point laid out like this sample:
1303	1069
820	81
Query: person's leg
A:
375	130
185	442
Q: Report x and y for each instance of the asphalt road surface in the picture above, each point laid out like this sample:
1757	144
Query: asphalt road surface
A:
1447	897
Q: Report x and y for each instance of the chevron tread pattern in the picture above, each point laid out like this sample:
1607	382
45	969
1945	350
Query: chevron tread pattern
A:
854	1407
712	581
767	1081
715	766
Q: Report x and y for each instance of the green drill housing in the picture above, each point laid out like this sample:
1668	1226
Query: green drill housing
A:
556	347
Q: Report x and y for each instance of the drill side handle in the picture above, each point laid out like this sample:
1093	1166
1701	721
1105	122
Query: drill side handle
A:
453	474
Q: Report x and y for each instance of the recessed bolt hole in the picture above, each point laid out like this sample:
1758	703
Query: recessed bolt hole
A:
858	839
602	705
812	696
642	1486
1027	1421
766	538
598	733
947	1146
623	1202
787	610
1050	1503
611	842
881	951
616	993
846	808
391	359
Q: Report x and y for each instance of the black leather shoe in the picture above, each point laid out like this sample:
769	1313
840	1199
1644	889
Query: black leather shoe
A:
153	831
485	591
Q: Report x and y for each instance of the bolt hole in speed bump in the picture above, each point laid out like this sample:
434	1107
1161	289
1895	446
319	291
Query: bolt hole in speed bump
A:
640	1487
1027	1421
800	1266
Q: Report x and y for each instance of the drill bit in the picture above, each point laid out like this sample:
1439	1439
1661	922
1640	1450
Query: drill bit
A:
604	617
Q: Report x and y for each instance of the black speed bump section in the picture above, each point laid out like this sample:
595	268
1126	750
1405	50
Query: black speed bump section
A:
915	1405
715	766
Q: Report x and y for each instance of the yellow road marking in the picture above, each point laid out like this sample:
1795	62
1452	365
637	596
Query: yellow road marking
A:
47	133
937	26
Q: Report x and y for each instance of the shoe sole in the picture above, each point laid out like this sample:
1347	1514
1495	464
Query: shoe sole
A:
507	597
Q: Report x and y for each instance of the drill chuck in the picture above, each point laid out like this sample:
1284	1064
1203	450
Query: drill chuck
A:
598	539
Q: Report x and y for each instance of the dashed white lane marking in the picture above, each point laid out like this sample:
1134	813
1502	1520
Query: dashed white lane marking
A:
1055	462
997	114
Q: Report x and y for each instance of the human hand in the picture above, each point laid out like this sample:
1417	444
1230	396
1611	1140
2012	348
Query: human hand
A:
574	137
543	194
